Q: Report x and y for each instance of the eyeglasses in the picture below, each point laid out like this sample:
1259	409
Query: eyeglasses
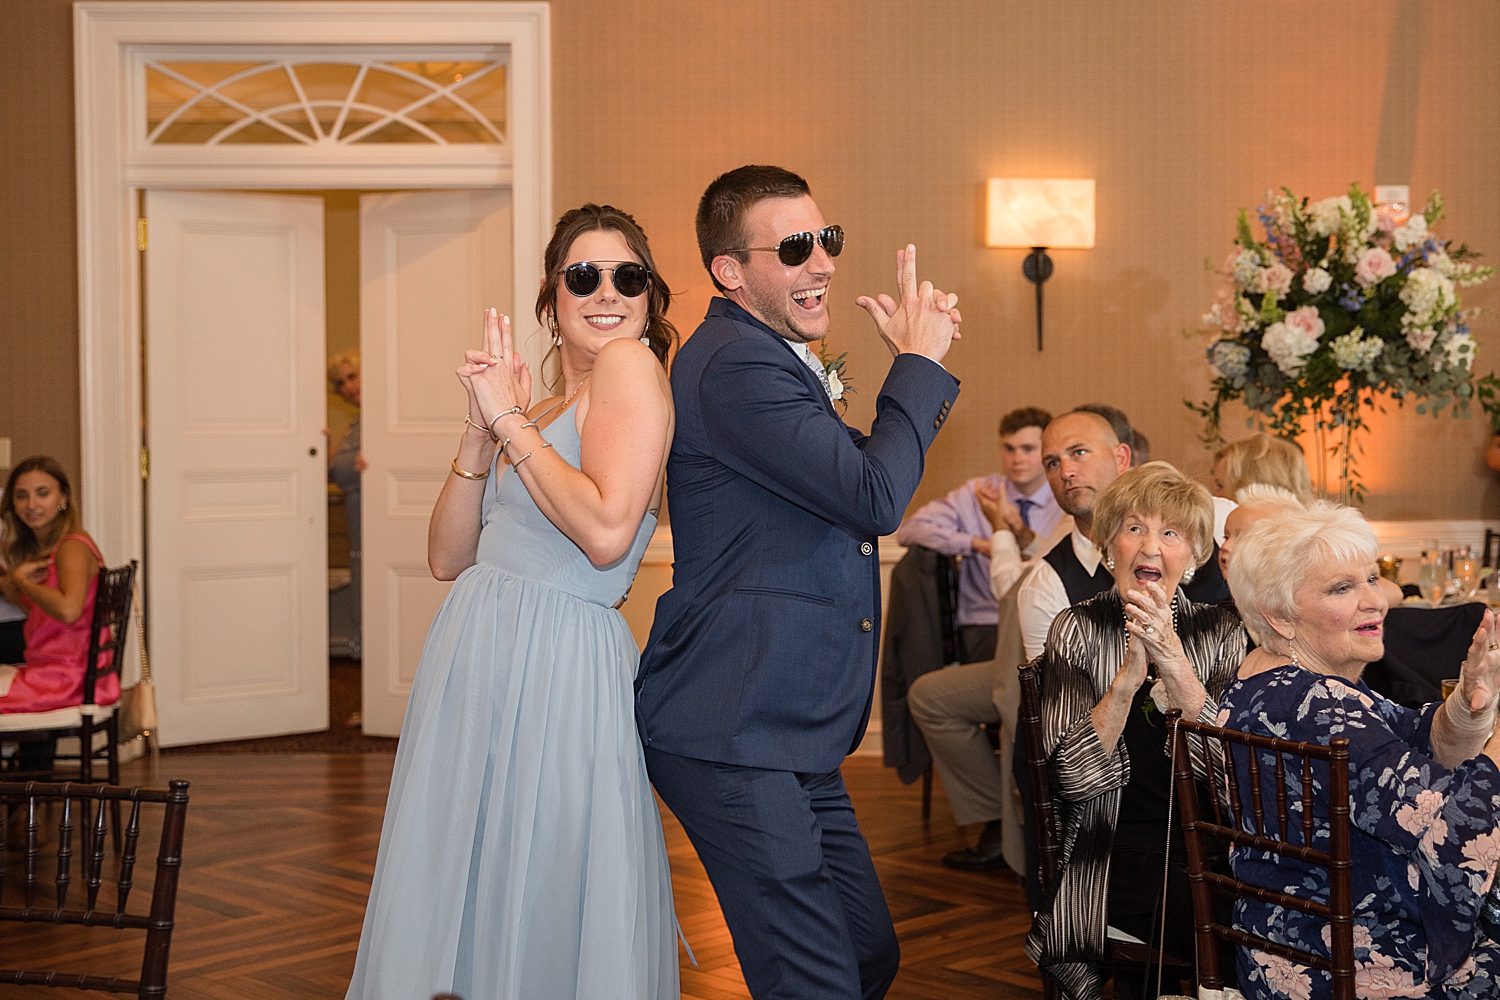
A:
798	247
630	279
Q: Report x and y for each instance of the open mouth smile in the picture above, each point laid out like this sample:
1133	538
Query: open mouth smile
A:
604	322
810	298
1371	630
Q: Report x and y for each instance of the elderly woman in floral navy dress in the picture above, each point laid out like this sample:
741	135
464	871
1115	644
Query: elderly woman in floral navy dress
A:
1424	786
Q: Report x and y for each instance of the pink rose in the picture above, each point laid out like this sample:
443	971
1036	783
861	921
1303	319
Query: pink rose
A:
1276	279
1306	322
1375	265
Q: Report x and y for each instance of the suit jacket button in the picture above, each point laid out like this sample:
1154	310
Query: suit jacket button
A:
865	548
865	625
937	423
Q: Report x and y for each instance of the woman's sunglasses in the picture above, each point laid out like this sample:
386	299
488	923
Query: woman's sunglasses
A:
796	248
630	279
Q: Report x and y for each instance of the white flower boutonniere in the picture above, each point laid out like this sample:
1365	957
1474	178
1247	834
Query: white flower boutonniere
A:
839	381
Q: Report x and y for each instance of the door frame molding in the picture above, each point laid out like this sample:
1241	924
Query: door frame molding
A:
113	169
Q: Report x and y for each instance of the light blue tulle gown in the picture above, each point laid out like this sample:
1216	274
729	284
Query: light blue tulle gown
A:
522	854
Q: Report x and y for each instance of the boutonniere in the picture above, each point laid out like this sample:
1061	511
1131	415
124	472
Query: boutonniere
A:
839	381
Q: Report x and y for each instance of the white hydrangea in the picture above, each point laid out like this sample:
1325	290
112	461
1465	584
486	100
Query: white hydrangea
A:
1246	268
1460	349
1427	294
1288	346
1231	359
1410	233
1324	217
1442	263
1352	352
1316	281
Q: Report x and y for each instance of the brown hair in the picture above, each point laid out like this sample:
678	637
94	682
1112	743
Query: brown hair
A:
1157	489
1026	416
660	333
1261	458
20	543
723	207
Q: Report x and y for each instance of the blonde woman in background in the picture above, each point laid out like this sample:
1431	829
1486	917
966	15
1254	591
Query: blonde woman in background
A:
345	464
1261	458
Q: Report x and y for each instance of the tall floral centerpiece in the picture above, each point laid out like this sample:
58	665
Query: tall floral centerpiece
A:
1340	304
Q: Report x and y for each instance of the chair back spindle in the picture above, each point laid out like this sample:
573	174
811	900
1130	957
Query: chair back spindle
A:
1250	831
83	806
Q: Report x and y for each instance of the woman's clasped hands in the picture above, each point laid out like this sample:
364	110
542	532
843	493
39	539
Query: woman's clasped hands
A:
1154	639
495	377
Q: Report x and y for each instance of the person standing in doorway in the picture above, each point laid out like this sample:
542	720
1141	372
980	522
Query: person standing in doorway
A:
757	679
344	467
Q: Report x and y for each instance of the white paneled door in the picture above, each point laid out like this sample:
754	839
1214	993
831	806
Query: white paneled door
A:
237	496
430	262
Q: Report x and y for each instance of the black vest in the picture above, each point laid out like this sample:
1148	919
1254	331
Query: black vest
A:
1075	579
1207	586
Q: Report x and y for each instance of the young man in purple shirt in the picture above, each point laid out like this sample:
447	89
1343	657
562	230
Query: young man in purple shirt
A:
956	525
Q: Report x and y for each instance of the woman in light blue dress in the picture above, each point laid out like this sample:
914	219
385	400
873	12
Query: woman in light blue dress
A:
522	853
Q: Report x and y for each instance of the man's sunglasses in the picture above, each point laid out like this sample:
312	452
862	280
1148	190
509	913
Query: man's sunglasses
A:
798	247
630	279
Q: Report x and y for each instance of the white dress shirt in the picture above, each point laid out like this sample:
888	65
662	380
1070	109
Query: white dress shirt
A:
1043	596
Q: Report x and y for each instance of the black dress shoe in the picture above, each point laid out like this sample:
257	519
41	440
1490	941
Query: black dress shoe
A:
986	855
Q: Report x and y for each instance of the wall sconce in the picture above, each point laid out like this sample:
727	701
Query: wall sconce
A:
1038	215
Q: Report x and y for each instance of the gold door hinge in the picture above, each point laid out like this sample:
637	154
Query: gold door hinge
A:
145	462
140	234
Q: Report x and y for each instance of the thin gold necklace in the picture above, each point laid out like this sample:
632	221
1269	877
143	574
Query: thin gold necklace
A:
576	390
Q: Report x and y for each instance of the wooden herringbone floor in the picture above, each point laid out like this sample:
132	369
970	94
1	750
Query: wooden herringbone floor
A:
280	849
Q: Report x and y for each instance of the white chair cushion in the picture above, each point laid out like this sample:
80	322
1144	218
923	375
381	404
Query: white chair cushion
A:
58	718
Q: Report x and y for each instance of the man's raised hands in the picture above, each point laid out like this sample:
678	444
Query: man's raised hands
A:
924	322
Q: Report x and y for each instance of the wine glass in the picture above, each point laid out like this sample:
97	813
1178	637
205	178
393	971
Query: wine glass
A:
1466	572
1433	577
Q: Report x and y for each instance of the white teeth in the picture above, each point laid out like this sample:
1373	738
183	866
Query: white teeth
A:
809	293
605	322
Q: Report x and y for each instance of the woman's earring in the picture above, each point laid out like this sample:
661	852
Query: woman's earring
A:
556	333
1293	647
62	507
646	334
1188	574
1109	562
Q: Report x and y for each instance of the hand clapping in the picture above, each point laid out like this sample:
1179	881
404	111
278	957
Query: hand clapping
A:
924	322
1479	677
495	377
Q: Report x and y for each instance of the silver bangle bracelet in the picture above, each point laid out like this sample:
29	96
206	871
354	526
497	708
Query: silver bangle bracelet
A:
502	413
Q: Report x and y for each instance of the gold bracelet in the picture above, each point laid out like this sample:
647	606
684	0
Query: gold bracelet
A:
470	475
469	420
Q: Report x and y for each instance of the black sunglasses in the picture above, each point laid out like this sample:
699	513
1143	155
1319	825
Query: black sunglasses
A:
630	279
796	248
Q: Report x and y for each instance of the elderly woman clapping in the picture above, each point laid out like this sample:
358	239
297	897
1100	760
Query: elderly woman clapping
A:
1424	786
1112	667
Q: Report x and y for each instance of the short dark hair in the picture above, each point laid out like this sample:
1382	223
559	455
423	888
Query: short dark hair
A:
1140	448
1118	421
723	207
1026	416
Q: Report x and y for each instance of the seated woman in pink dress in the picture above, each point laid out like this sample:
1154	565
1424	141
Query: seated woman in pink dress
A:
53	572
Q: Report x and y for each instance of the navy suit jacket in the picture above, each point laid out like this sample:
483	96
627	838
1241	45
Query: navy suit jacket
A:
763	652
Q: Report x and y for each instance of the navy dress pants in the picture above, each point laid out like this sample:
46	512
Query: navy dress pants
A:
793	875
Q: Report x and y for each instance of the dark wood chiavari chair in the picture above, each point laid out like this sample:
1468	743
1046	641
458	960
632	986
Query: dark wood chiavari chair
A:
82	807
1246	827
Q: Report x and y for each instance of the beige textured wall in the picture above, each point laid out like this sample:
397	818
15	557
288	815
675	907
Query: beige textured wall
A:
896	111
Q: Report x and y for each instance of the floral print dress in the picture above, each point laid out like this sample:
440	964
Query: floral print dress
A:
1423	840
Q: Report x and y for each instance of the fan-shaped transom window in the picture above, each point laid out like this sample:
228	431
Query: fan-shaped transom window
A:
318	100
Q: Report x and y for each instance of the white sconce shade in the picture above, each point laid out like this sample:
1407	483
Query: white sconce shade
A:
1057	214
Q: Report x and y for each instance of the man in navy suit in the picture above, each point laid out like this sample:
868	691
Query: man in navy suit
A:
758	676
